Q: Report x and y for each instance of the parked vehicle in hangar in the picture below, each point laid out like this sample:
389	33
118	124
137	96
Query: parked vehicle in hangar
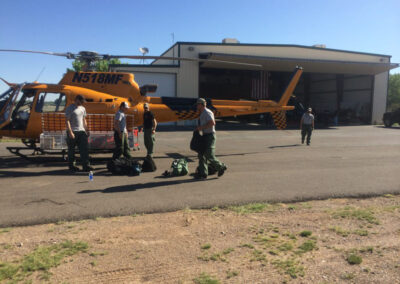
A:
392	117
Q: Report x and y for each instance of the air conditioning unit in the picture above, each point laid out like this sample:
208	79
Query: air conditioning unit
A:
319	45
230	40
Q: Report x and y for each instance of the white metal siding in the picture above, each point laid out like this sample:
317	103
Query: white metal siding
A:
380	96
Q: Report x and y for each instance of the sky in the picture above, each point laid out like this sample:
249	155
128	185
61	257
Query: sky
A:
121	27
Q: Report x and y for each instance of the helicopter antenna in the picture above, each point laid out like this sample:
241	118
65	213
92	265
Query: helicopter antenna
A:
40	74
143	51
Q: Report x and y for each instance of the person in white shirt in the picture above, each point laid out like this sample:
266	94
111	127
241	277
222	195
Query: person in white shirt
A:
307	126
207	126
77	134
121	133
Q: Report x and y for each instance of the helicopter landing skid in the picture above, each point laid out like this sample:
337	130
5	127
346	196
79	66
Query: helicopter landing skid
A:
36	151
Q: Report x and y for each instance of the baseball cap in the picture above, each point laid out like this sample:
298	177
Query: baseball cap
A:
201	101
124	104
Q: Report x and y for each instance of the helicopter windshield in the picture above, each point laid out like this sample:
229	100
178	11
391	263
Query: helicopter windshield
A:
7	102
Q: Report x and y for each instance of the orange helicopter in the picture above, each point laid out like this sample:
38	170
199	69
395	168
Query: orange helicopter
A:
35	111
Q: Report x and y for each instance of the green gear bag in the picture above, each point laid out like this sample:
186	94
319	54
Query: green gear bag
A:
179	167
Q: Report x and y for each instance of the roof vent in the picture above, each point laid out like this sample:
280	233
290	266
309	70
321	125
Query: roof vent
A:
319	45
230	40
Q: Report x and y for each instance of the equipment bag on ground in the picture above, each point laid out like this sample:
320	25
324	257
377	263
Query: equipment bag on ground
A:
179	167
124	166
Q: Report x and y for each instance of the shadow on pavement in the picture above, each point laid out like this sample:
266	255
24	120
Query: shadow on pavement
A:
137	186
284	146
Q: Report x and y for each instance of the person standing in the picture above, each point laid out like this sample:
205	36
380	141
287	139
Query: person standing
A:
77	134
206	124
307	126
121	133
149	129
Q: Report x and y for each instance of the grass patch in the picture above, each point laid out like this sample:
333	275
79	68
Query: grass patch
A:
347	276
206	246
367	249
307	246
215	208
289	267
251	208
344	233
217	256
5	230
285	247
366	215
7	246
258	255
101	253
204	278
362	233
340	231
305	234
41	259
227	251
231	273
250	246
354	259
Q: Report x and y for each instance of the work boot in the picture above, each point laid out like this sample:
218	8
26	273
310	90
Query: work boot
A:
222	170
199	176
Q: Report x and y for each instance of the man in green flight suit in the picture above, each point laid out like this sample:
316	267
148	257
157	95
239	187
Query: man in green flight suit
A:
149	129
207	126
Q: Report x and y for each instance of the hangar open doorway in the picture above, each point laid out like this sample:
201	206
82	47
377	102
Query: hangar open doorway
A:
335	98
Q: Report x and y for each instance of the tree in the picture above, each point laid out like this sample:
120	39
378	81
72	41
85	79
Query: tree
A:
101	65
394	92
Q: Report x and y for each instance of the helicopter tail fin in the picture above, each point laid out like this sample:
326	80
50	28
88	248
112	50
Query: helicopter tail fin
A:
290	88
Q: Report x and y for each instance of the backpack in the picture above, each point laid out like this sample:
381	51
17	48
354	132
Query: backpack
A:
148	165
124	166
179	167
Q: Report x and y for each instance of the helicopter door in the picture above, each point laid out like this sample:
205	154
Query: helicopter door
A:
7	103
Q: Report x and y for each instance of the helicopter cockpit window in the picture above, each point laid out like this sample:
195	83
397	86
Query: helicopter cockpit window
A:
50	102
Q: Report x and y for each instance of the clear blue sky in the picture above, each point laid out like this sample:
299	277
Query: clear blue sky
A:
122	26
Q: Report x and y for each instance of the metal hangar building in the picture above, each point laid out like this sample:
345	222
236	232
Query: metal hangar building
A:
350	86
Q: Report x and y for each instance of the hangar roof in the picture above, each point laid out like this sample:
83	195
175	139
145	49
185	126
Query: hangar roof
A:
272	45
288	64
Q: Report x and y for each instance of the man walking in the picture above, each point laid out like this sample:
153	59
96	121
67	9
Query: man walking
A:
307	126
121	133
207	126
149	129
77	134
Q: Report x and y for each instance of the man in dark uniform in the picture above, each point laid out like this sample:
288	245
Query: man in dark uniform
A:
307	126
149	129
121	133
207	126
77	134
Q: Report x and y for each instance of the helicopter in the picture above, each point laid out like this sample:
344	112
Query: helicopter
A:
34	111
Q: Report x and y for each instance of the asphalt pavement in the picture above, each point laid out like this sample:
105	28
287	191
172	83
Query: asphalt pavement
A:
263	166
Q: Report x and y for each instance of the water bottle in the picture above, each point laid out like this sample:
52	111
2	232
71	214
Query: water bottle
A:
90	176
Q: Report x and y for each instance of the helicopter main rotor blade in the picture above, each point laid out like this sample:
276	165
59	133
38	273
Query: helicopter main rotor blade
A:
180	59
68	54
95	56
